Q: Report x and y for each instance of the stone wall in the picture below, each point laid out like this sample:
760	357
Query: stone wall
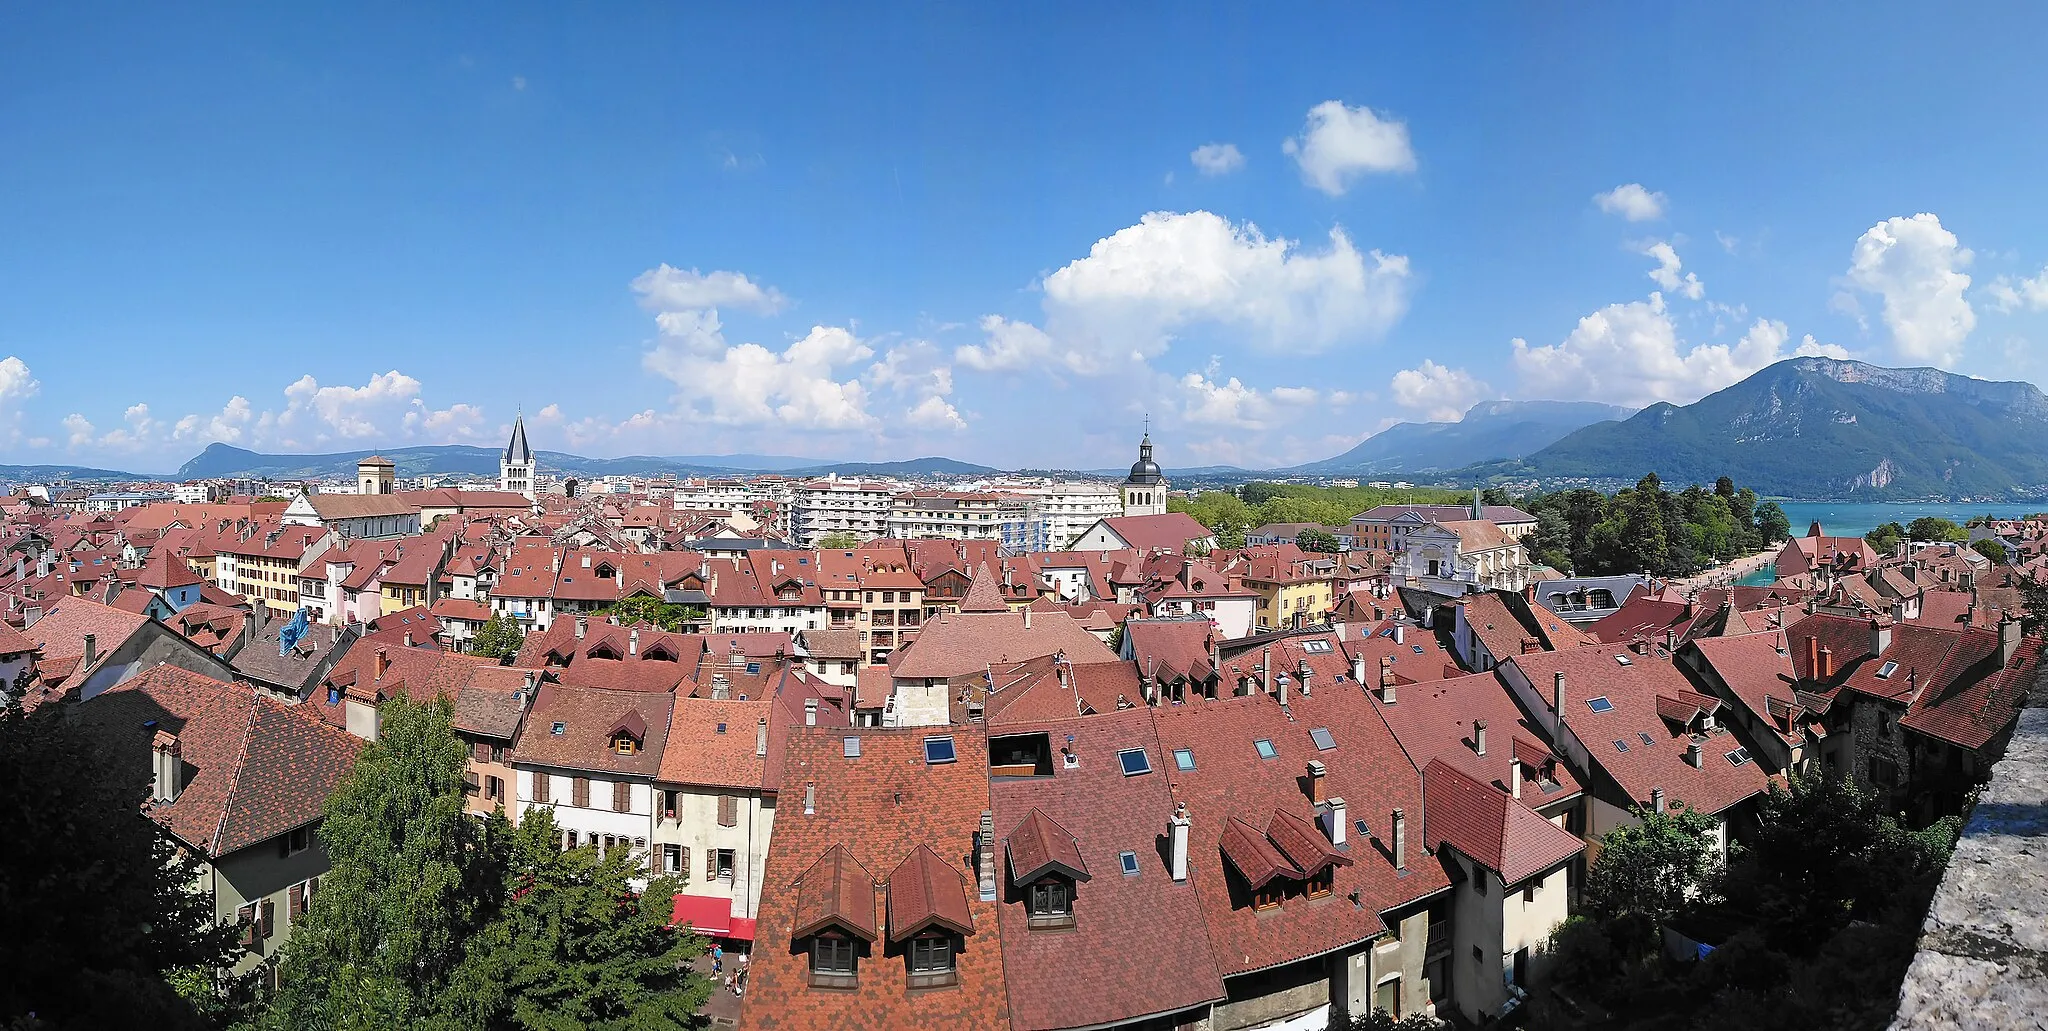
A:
1983	960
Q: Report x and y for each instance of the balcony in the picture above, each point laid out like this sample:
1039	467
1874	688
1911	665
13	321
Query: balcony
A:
1438	943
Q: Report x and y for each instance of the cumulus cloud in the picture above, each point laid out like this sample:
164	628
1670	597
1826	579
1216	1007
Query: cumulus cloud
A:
1141	287
388	408
1217	158
1666	273
1209	399
1441	394
934	413
798	387
1632	202
1632	354
665	288
2009	294
1914	265
1340	143
914	371
17	384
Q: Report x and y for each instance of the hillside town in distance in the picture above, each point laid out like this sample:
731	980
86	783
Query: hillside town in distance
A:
1039	754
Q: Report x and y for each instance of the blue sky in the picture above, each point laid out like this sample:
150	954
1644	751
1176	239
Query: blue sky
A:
887	232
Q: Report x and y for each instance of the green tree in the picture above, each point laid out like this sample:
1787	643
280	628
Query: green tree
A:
1316	540
1495	496
499	638
2033	603
1991	549
1381	1020
1885	539
1937	529
1771	524
642	608
1649	869
98	904
575	947
1551	544
841	541
412	880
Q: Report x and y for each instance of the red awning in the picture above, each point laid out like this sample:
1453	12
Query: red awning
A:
706	915
742	929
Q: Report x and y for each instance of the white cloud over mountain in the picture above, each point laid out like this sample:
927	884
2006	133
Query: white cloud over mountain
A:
1915	266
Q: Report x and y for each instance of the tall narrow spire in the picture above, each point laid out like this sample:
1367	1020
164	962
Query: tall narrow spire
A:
516	450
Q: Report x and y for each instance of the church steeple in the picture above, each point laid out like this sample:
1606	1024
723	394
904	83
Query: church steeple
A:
517	451
1144	490
515	466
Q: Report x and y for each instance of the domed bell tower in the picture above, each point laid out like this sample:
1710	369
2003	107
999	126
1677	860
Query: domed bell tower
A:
1144	490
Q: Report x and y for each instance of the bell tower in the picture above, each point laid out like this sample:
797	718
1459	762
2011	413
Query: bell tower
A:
1144	490
515	467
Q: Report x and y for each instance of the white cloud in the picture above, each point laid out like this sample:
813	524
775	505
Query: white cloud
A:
1666	273
750	385
934	413
1631	354
1441	394
1207	399
1217	158
1728	243
913	370
2009	294
1142	286
665	288
1338	144
1632	202
1914	265
17	384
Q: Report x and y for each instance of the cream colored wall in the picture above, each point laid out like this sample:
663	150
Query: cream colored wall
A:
696	828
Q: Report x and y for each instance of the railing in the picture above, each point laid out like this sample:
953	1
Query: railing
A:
1438	941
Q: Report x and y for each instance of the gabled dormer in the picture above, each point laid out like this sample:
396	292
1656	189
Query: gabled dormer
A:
629	735
929	921
1045	867
835	918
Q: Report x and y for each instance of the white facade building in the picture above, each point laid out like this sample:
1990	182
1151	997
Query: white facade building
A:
823	507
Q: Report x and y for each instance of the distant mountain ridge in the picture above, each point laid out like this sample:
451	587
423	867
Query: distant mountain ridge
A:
1490	430
1822	428
220	461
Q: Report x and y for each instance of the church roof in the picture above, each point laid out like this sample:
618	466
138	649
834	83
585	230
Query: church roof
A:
517	452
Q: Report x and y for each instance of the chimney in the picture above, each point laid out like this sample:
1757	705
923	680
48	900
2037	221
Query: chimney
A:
1827	662
1301	673
1813	658
1515	777
1280	689
1656	800
1557	696
1386	680
582	626
1027	617
167	766
379	663
810	712
407	638
761	736
1177	842
1317	772
633	641
1531	646
1692	754
810	798
985	856
1400	842
531	677
1333	821
2008	639
1400	633
1479	737
1358	669
92	651
1671	639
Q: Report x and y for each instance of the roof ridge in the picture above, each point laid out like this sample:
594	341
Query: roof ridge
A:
227	802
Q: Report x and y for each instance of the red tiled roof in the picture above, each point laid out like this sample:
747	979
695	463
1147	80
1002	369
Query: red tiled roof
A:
835	892
925	891
1039	844
982	593
711	743
1488	825
1255	856
1171	531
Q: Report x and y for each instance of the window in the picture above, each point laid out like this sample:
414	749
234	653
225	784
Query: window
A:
1128	861
931	961
624	744
298	840
1387	996
1266	749
622	797
832	962
852	747
938	750
1316	647
1645	737
1323	739
1599	703
1885	671
1184	758
494	788
1738	757
672	858
1267	897
579	793
1050	903
1134	761
1620	745
559	729
1624	660
296	898
246	917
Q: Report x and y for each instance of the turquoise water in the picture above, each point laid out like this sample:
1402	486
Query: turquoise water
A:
1845	519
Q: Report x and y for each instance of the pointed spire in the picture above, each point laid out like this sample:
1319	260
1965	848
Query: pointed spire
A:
517	452
982	595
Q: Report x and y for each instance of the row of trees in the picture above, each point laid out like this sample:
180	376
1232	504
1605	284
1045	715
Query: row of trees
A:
1647	528
1231	513
1935	529
1816	914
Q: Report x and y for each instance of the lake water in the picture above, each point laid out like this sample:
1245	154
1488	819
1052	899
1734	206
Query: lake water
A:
1849	519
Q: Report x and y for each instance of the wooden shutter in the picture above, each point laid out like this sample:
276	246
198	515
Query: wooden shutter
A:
480	752
710	864
622	797
582	793
246	916
540	787
653	862
728	810
296	894
683	860
269	917
312	886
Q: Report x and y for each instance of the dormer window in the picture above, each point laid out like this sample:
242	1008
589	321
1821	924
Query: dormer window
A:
834	963
624	744
1049	903
932	961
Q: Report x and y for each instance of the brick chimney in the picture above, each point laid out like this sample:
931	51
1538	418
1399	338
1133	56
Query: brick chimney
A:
985	856
1813	658
1827	663
1531	646
1386	680
1302	673
1177	842
1358	669
1317	773
379	662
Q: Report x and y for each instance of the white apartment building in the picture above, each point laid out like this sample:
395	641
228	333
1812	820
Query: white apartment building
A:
820	508
591	756
1064	509
715	496
965	516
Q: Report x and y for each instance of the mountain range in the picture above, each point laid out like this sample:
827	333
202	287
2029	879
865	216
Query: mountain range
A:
222	460
1494	429
1820	428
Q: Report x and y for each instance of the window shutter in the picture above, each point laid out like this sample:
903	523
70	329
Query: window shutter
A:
540	787
312	885
246	916
683	860
710	864
622	797
728	810
480	752
582	795
653	863
297	896
269	917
